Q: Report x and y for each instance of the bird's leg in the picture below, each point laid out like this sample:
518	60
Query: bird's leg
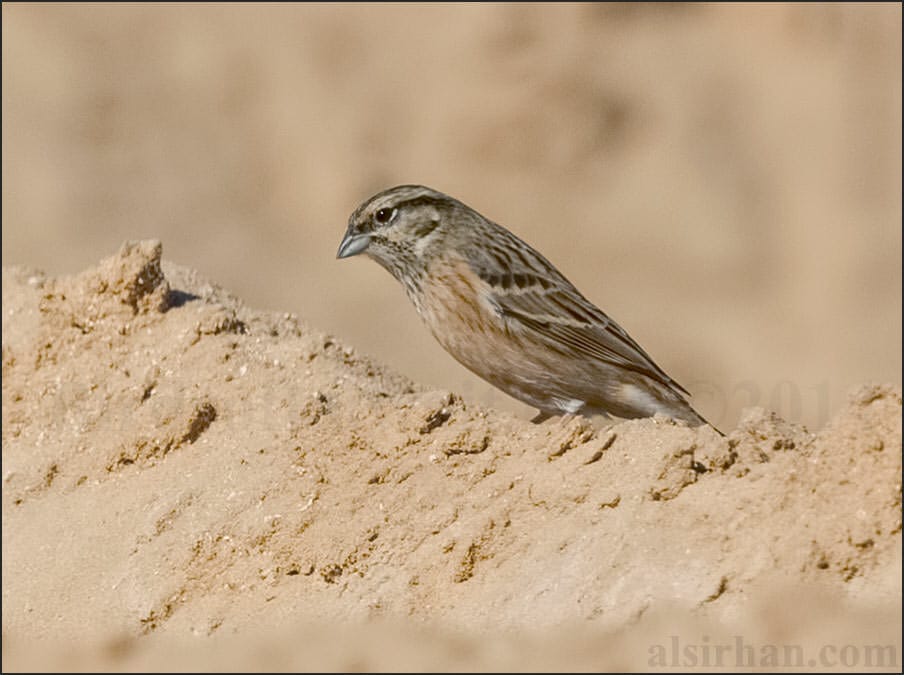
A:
541	416
563	418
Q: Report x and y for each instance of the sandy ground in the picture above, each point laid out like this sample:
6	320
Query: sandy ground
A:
190	483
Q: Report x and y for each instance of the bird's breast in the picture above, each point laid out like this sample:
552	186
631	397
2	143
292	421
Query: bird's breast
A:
457	306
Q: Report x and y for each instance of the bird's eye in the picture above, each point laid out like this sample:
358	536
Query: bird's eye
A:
384	215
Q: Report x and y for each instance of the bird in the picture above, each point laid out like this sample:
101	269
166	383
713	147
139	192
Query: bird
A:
505	312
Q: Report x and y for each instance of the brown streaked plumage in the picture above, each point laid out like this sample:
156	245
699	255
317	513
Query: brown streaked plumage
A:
506	313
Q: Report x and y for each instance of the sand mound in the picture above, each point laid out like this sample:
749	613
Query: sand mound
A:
178	468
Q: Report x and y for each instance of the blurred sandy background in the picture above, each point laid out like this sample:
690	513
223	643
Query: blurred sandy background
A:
723	180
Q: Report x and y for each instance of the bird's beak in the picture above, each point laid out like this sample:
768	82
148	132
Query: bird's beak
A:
353	244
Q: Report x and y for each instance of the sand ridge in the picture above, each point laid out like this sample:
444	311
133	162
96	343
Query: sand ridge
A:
177	464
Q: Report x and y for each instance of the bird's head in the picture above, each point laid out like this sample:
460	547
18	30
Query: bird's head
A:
402	228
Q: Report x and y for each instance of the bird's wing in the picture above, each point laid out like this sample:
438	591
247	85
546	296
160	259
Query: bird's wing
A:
548	305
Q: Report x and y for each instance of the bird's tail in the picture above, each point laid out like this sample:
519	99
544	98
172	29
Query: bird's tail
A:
695	419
